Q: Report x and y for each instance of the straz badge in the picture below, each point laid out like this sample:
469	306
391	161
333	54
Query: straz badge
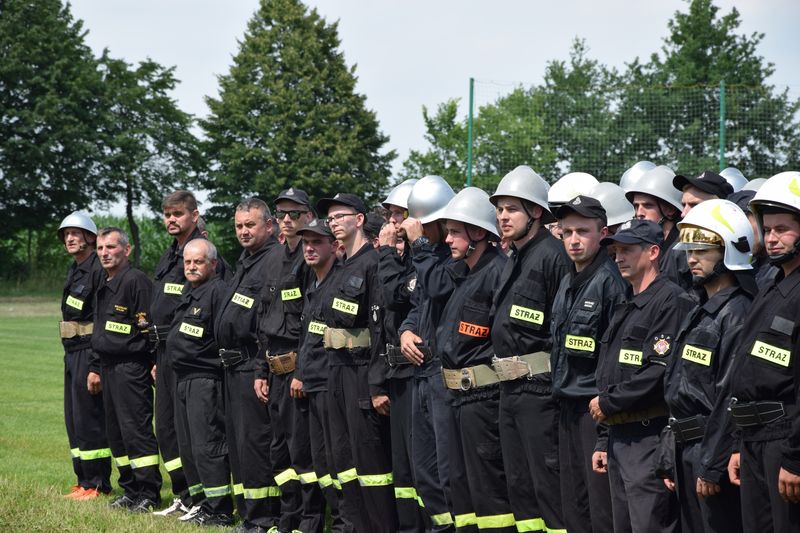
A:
193	331
351	308
241	299
630	357
771	353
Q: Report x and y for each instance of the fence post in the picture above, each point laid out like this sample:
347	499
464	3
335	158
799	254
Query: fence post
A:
469	132
722	125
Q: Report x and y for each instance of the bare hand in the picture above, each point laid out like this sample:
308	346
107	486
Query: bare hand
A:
789	486
408	345
707	488
261	386
595	411
733	469
153	372
381	404
296	389
93	383
388	235
412	229
669	484
600	462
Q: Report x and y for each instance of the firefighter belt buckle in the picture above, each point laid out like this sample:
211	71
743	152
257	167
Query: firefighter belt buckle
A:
466	379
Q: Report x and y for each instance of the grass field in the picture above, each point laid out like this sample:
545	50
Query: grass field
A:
35	465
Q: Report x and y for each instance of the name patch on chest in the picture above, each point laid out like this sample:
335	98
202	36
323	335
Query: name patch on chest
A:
291	294
74	302
241	299
176	289
192	331
473	330
317	328
696	355
630	357
351	308
528	315
584	344
771	353
116	327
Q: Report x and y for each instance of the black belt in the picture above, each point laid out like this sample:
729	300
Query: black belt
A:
752	414
157	334
688	429
394	355
232	357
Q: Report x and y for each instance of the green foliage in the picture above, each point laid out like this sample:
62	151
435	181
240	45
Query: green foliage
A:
288	114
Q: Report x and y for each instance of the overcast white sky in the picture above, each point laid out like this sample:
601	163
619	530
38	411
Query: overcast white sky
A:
412	53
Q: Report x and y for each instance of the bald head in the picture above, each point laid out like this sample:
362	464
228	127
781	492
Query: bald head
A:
199	261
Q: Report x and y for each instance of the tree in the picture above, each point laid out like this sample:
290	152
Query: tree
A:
148	147
288	114
48	124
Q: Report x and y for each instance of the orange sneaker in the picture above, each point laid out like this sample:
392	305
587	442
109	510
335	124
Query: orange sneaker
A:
75	492
88	494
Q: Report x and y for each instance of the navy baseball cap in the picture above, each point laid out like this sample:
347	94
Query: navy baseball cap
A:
342	198
295	195
636	231
742	198
584	206
317	226
708	181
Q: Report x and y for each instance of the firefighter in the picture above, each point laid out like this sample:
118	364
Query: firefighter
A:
717	240
361	452
762	269
582	311
120	340
766	385
83	400
630	374
477	479
521	342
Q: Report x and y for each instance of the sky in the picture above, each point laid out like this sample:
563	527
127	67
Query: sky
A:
415	53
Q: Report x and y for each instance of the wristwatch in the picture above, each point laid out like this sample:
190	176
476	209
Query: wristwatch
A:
421	241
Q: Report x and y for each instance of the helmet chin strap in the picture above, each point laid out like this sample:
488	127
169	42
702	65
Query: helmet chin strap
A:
718	270
472	242
779	259
528	226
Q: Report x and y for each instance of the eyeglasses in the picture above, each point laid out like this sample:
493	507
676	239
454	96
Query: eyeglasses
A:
338	218
294	214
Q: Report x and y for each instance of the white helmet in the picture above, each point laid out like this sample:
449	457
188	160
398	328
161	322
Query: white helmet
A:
657	182
523	182
568	186
472	206
428	198
716	223
77	220
781	191
754	185
612	197
632	175
733	176
399	195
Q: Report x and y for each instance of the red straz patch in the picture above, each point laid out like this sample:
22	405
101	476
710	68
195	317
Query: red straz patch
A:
473	330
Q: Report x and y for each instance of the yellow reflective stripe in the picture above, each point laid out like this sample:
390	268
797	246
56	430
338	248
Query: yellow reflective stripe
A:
238	488
308	477
75	452
90	455
347	476
173	464
420	502
375	480
122	461
442	519
262	492
216	492
336	484
325	481
550	530
531	524
195	489
405	493
287	475
496	520
147	460
463	520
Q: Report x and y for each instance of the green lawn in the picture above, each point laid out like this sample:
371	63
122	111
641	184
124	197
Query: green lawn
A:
35	465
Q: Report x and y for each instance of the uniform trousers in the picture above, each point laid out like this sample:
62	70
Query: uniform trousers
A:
763	509
312	501
322	458
86	425
639	500
716	514
200	428
409	513
430	419
249	433
529	437
361	445
165	426
477	478
281	407
128	404
585	494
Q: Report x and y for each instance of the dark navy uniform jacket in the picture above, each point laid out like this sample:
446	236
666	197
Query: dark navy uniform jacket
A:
77	302
312	362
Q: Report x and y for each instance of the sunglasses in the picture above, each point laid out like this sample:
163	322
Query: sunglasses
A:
294	214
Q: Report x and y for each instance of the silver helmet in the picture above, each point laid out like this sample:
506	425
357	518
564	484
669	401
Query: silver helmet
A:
428	198
734	176
632	175
612	197
77	220
754	185
399	195
657	182
472	206
524	183
569	186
